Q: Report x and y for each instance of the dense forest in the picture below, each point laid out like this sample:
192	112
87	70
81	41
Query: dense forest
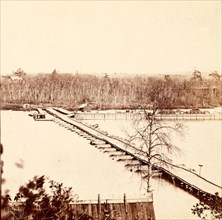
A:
105	92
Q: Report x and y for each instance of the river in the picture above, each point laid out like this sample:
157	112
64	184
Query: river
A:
45	148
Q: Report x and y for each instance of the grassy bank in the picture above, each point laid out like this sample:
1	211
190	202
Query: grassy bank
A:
11	106
22	106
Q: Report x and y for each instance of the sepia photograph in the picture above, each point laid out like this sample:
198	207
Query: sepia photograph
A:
111	110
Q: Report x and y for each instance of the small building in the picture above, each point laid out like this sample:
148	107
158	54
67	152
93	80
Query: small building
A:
83	107
39	116
15	78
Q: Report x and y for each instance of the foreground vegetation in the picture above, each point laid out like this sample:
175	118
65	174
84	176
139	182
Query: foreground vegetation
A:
211	210
36	201
105	92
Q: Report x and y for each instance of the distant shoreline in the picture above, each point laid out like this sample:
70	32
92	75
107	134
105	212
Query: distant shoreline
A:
12	106
29	107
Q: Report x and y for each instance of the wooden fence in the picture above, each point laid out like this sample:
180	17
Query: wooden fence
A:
108	209
116	211
129	116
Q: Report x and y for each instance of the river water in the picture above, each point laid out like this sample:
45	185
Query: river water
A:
44	148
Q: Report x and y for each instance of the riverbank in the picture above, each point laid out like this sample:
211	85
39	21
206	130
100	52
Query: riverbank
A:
23	106
11	106
26	106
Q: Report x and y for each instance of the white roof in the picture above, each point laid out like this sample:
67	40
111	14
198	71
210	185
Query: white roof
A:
83	105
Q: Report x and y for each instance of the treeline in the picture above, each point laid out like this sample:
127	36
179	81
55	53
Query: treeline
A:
106	92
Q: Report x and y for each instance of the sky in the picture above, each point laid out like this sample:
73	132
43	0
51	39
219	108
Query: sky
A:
110	36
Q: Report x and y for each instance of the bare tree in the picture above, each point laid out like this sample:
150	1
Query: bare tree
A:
19	72
197	75
152	138
215	75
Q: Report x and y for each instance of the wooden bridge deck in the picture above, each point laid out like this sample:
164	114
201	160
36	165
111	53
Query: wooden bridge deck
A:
179	176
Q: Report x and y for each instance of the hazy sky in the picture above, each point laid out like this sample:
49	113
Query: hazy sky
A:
110	36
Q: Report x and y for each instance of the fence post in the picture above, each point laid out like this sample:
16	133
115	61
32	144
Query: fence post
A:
125	203
99	206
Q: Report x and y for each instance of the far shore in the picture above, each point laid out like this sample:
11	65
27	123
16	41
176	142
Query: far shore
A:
30	107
